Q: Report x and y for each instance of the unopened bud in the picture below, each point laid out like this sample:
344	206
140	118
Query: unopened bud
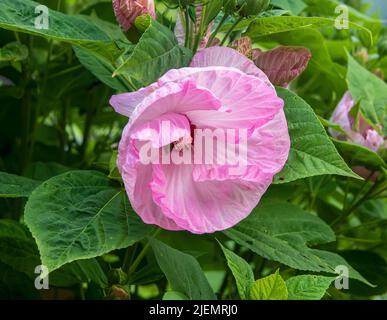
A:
379	73
254	7
362	56
127	11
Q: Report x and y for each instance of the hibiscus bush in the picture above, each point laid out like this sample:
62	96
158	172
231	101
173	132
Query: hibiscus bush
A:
192	149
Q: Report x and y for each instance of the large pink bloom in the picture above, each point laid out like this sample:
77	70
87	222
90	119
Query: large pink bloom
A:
221	89
127	11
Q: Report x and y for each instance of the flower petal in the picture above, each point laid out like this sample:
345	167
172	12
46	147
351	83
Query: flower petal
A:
164	130
227	57
203	207
179	97
125	103
341	115
247	101
137	178
264	154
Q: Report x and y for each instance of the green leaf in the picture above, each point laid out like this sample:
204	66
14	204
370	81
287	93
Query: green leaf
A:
272	25
101	68
272	287
90	33
212	8
373	266
359	155
78	215
282	232
312	153
16	285
13	186
368	90
45	170
13	52
17	247
241	271
295	7
308	287
156	52
89	271
321	64
329	124
173	295
182	271
328	8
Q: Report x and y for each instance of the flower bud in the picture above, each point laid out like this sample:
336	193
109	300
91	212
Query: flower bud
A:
119	293
362	56
254	7
379	73
127	11
232	6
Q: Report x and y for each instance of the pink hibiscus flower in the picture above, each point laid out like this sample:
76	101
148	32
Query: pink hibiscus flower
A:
364	135
127	11
221	90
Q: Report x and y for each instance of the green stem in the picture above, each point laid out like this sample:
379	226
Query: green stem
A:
142	254
231	30
213	35
187	41
360	240
355	205
201	31
63	72
129	256
17	36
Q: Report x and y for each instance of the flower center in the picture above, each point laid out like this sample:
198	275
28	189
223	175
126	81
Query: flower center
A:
183	143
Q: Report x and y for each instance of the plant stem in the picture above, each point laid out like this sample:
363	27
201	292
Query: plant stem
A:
142	254
187	41
355	205
231	30
201	31
219	26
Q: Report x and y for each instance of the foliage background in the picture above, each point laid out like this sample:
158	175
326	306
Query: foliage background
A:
61	192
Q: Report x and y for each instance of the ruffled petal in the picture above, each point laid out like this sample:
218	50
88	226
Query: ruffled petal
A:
174	97
162	131
373	140
227	57
125	103
137	178
262	154
247	102
203	207
341	115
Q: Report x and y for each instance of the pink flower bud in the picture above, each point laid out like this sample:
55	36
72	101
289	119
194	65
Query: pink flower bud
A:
127	11
282	64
